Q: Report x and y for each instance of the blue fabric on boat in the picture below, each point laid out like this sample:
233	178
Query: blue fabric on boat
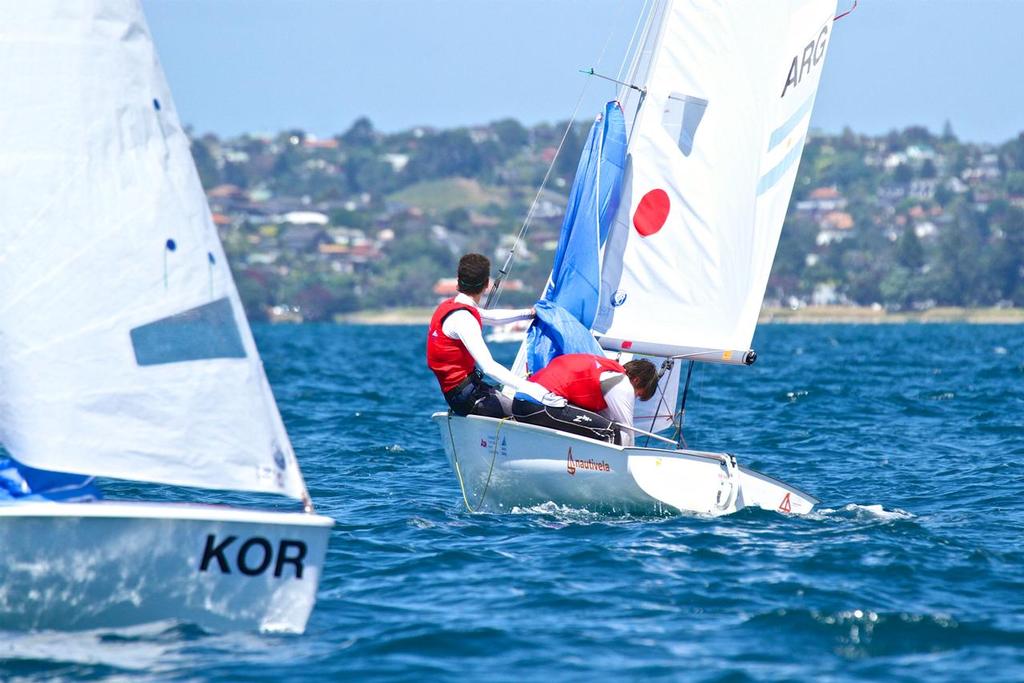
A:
21	482
593	201
564	320
555	332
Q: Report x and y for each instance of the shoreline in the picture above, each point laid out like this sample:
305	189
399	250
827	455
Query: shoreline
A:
816	315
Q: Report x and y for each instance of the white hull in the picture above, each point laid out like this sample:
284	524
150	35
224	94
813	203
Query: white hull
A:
503	464
110	564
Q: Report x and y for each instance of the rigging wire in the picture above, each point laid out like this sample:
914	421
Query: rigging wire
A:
682	407
632	40
495	293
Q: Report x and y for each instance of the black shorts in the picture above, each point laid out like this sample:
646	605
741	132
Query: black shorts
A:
473	396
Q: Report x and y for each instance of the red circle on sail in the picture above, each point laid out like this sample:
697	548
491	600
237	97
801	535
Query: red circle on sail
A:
651	213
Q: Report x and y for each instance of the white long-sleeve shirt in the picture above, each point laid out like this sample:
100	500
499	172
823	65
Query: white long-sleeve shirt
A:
620	398
462	325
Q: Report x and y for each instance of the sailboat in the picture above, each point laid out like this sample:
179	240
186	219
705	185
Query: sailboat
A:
665	252
125	353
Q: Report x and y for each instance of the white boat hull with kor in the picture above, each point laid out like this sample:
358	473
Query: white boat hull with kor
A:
503	464
73	566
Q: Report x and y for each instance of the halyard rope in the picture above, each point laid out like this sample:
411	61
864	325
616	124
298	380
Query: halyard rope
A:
632	39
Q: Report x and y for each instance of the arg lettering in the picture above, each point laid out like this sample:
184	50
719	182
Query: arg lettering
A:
254	556
803	63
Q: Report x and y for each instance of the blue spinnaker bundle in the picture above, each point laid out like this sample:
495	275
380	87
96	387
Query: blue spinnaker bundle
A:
575	283
556	332
21	482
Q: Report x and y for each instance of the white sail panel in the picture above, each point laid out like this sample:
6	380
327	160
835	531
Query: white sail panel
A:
712	161
124	350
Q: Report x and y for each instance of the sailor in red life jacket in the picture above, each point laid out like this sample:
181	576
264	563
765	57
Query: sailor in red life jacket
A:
601	393
456	351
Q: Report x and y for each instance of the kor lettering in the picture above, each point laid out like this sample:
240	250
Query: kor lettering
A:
253	556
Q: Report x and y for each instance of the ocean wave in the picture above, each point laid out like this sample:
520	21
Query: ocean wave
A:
856	511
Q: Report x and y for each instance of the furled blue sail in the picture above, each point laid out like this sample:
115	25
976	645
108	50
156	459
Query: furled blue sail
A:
556	332
21	482
575	282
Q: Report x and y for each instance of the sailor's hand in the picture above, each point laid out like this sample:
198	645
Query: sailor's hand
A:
553	400
534	391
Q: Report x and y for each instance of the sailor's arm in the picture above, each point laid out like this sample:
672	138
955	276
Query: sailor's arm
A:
501	316
621	399
461	325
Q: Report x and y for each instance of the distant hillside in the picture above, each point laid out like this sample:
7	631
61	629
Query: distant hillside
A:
445	194
316	228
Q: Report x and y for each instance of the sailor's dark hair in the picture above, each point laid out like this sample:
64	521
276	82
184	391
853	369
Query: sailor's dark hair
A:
474	272
644	377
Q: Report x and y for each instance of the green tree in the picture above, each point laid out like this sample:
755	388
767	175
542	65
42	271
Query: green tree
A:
360	135
1003	258
1015	183
511	134
206	165
903	174
909	252
948	135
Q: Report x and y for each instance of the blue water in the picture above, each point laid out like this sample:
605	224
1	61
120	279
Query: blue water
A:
912	569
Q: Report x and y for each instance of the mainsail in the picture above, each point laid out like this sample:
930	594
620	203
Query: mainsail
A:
124	350
727	93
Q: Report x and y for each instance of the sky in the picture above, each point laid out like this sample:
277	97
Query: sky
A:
240	66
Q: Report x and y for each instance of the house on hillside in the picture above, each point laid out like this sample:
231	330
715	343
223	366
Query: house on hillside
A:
923	188
892	193
226	191
396	160
986	170
312	142
925	230
550	205
835	226
347	258
303	239
446	288
822	200
305	218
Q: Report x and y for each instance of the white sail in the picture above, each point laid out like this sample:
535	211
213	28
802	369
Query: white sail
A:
713	156
124	350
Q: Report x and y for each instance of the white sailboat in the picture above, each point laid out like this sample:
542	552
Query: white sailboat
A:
717	104
508	333
125	353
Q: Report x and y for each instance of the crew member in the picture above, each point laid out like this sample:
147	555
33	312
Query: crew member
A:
600	391
456	351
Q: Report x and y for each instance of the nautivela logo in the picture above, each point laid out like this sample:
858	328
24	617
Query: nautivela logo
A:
572	464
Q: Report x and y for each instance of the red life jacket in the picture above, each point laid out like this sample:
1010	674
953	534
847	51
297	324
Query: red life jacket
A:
577	377
449	358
